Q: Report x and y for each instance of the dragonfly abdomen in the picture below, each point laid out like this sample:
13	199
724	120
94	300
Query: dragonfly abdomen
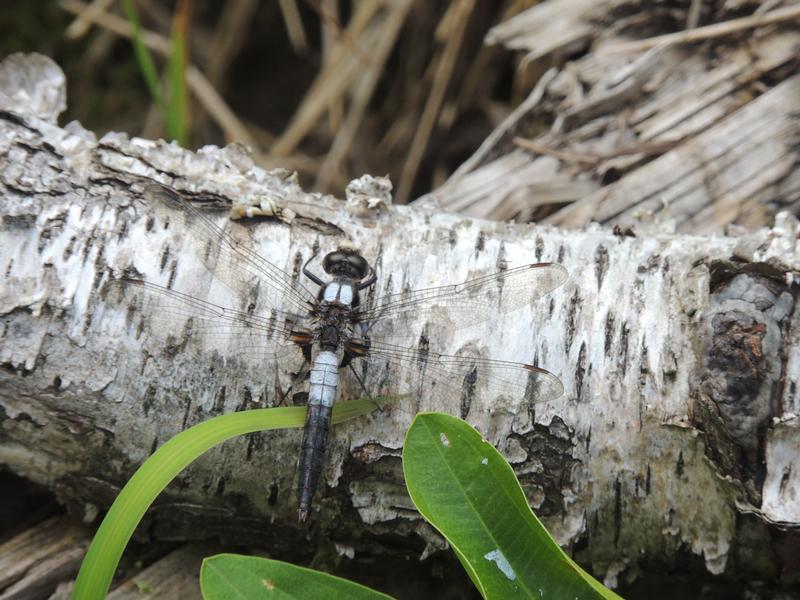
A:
323	379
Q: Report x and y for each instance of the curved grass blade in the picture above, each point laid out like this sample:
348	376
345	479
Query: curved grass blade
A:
234	576
467	490
157	471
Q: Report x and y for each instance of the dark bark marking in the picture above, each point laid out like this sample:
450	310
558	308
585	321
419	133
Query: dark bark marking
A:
644	371
623	343
572	310
219	404
18	120
172	273
468	391
651	264
247	400
149	399
297	265
617	510
580	372
164	259
123	230
480	243
538	249
186	414
69	248
272	496
600	265
787	473
609	333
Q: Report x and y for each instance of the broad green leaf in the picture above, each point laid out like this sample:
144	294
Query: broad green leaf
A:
467	490
226	576
157	471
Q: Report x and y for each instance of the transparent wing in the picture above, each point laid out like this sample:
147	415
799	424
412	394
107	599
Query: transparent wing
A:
473	301
234	264
260	334
465	376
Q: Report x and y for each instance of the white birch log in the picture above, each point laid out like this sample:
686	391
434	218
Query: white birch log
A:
677	433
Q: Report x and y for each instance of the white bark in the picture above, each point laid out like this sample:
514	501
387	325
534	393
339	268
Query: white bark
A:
679	356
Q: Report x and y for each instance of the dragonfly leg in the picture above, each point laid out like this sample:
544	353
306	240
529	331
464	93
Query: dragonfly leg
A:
363	387
309	274
370	280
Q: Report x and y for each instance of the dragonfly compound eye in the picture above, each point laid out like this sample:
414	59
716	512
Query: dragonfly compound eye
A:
346	263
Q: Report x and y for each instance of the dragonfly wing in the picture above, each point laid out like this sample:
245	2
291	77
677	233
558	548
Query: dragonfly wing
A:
473	301
467	376
231	260
262	335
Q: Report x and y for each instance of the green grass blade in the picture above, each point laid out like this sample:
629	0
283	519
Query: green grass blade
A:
177	108
143	57
157	471
468	491
227	576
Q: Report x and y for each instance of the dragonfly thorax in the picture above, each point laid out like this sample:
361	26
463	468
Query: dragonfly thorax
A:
329	338
339	291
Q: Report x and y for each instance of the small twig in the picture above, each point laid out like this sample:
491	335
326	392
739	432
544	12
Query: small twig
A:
332	81
704	33
229	36
81	24
202	88
444	71
331	32
362	93
294	25
594	159
345	35
693	16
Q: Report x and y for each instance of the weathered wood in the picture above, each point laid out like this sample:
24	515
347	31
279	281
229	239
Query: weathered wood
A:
727	174
674	136
33	563
176	576
679	355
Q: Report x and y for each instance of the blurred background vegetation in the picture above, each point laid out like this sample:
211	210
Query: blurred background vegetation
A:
328	88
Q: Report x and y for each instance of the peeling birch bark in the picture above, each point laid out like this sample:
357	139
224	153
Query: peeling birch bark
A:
678	432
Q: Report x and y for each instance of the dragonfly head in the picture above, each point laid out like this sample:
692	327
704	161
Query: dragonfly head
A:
346	262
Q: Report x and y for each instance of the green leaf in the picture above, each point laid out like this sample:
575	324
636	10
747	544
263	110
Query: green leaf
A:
467	490
157	471
226	576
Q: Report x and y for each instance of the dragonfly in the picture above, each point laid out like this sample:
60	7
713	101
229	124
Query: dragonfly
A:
334	331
